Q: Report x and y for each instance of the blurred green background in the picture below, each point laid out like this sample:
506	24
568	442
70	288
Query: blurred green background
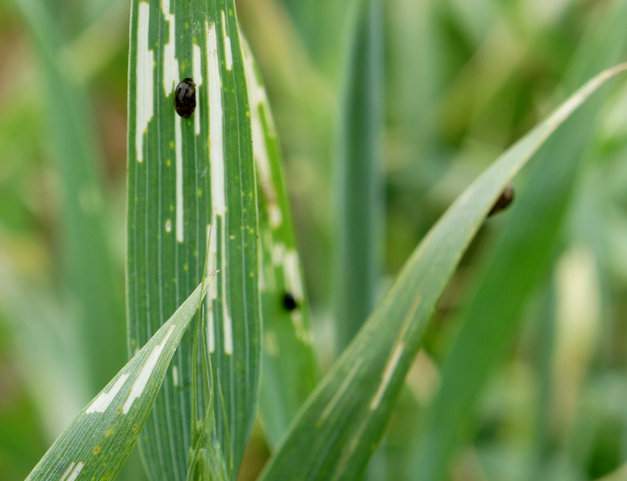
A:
463	80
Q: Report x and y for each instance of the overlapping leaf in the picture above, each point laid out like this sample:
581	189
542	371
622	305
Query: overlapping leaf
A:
186	175
285	385
103	435
341	424
520	259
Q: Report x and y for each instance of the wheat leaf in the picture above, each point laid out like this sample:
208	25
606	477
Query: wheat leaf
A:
187	174
341	424
103	435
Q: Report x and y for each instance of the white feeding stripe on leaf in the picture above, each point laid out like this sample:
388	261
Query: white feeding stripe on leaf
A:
275	216
218	195
144	375
257	97
104	399
198	80
170	81
292	272
72	472
145	71
228	53
278	254
180	237
170	63
218	180
175	375
387	375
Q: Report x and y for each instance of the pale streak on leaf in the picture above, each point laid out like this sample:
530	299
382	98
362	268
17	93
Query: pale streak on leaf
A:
145	68
343	440
102	437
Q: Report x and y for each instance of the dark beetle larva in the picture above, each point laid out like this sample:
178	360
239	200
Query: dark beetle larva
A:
185	98
289	303
504	201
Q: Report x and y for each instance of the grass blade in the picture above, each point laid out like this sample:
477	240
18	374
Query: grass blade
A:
359	189
103	435
320	24
286	385
342	422
520	260
89	279
186	174
47	349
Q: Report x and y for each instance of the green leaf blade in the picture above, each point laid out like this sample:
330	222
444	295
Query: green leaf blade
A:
341	424
188	176
102	437
359	185
285	385
88	280
519	260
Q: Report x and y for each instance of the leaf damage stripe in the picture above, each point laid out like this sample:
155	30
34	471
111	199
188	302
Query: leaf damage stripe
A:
144	80
144	375
387	375
216	143
104	399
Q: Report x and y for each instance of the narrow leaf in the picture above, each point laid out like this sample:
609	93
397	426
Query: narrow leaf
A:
285	385
341	424
46	348
359	188
187	174
88	280
103	435
520	259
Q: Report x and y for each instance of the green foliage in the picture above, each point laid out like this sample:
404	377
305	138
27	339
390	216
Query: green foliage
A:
491	320
103	435
285	308
496	354
188	176
359	188
344	420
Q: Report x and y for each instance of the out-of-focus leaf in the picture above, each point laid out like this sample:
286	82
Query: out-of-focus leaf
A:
88	265
359	186
516	264
320	24
47	350
285	385
342	422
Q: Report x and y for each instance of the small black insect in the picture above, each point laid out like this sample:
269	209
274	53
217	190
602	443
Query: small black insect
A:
185	98
504	201
289	303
